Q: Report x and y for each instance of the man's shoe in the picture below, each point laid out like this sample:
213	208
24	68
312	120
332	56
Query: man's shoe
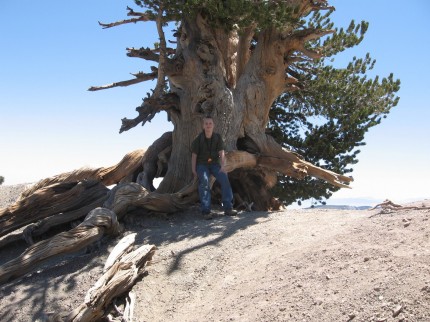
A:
230	212
207	215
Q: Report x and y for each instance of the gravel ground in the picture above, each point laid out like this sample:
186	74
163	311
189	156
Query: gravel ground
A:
293	265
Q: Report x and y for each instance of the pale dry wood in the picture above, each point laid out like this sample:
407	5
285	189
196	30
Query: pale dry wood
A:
98	222
50	200
124	246
129	307
116	281
139	78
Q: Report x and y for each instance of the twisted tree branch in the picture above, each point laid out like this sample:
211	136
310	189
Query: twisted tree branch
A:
140	77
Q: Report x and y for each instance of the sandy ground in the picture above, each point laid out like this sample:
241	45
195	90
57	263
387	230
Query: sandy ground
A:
293	265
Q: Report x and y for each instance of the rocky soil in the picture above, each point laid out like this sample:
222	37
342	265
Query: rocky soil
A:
292	265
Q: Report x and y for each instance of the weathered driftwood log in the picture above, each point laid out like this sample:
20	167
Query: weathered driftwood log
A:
108	176
388	204
117	280
98	222
51	200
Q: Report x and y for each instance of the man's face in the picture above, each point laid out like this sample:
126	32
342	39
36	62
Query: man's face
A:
208	125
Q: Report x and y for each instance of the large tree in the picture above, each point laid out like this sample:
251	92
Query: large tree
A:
290	120
260	68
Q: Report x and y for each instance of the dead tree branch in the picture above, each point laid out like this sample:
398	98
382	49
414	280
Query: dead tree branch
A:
117	280
149	108
139	78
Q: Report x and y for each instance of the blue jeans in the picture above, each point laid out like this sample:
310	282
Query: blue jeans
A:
204	172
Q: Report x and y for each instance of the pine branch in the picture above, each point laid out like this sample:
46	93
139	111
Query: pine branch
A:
126	21
140	77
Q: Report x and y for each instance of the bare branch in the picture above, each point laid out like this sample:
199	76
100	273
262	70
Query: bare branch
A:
149	108
308	52
133	13
147	53
140	77
125	21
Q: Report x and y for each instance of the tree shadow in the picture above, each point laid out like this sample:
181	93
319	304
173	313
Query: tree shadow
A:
60	283
51	284
191	225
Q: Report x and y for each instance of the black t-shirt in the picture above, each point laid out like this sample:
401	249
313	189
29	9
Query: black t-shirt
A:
207	150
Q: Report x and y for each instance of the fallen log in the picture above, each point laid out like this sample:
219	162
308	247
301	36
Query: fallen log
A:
98	222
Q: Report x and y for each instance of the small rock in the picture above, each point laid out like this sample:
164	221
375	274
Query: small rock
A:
351	316
397	310
328	277
366	259
318	302
406	224
381	319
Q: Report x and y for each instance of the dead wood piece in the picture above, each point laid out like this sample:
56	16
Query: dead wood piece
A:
118	279
124	246
129	307
98	222
48	201
388	204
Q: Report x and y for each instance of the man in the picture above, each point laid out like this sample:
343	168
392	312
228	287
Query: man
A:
208	158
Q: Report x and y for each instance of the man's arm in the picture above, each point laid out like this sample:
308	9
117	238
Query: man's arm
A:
222	159
193	164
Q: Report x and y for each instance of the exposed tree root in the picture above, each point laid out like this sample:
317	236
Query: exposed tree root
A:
57	198
108	176
99	221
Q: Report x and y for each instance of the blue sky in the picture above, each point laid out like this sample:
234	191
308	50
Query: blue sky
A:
51	53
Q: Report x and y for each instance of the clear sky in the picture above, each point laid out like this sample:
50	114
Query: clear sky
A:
51	52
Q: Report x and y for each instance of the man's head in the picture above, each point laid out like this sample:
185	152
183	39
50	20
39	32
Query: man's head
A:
208	124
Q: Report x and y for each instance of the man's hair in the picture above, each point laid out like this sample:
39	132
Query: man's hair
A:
207	117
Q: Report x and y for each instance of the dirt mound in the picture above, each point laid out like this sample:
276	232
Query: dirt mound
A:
294	265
